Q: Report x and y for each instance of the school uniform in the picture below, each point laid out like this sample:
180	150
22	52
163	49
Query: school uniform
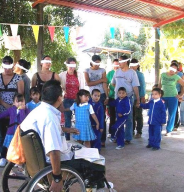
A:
157	117
32	105
99	112
123	107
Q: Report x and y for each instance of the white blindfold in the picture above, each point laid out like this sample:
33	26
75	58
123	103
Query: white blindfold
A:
7	66
70	65
46	61
21	67
172	69
122	61
133	64
94	63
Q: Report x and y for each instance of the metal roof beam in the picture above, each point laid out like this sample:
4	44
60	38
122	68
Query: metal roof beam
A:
164	22
37	2
163	5
100	10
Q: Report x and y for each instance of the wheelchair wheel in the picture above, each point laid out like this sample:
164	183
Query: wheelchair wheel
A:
72	181
12	177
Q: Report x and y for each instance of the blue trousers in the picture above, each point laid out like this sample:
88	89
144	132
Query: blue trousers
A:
67	103
171	103
97	142
155	135
129	123
118	130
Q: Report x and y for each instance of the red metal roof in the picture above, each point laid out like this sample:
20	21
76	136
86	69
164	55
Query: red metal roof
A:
155	12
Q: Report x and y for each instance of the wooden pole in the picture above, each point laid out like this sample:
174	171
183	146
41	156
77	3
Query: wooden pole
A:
40	36
157	55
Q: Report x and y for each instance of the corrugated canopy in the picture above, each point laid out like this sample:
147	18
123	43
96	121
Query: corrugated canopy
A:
155	12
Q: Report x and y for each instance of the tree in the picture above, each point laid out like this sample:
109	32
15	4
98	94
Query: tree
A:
17	11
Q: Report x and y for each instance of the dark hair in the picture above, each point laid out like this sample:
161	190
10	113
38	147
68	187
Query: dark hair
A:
134	61
124	57
19	97
51	91
121	89
115	60
157	90
7	59
81	93
156	85
45	57
95	58
95	90
72	59
34	90
25	64
174	64
162	93
174	61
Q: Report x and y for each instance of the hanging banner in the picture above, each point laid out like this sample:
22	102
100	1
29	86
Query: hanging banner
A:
121	30
14	29
12	42
51	30
80	39
112	30
36	31
66	32
1	33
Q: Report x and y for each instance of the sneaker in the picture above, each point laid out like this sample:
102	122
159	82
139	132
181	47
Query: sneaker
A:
137	136
127	142
175	129
3	162
155	148
168	134
119	147
112	140
148	146
109	135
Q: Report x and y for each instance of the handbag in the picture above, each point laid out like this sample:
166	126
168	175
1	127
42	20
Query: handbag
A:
15	152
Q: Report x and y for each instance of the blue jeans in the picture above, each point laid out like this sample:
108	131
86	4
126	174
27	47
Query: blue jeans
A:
129	123
67	103
171	103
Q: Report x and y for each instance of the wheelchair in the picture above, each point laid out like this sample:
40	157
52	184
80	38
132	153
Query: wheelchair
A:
78	175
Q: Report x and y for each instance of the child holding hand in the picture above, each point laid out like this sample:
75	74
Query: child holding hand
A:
83	110
17	114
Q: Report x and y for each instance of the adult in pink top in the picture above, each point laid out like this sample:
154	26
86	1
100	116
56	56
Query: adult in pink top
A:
71	82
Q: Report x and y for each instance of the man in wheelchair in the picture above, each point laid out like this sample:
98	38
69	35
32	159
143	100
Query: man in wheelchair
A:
45	120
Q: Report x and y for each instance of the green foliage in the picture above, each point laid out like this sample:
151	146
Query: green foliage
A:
21	12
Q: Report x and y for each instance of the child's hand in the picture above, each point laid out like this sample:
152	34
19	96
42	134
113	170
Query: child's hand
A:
101	130
74	131
23	106
120	115
97	126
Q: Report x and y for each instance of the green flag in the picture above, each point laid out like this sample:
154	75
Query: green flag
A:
1	34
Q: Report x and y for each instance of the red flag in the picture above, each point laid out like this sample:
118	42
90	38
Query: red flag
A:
51	30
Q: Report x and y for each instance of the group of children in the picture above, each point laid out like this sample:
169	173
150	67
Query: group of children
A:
17	113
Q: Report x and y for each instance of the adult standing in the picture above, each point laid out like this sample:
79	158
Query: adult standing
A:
168	83
137	112
21	68
95	78
71	82
112	110
10	83
45	74
126	77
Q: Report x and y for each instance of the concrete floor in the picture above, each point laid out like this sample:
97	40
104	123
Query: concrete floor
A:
138	169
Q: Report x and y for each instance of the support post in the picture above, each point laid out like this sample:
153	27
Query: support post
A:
40	36
157	55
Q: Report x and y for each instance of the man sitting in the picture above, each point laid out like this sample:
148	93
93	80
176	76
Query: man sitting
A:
45	120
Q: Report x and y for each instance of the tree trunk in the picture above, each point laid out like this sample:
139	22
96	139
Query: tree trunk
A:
17	55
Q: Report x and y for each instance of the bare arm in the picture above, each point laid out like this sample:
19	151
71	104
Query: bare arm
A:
56	77
136	92
105	87
93	83
6	105
96	120
56	170
33	81
20	86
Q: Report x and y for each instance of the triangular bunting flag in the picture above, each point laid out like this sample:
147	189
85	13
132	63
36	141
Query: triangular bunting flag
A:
112	30
1	33
66	32
51	30
36	31
14	29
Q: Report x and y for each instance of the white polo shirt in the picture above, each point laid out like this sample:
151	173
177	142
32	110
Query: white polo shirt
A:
45	120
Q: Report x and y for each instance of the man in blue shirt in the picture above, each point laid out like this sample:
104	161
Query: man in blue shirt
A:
137	112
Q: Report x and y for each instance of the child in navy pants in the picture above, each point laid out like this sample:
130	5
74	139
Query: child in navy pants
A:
123	109
99	112
157	117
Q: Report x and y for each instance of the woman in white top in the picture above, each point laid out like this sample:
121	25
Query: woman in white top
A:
71	82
